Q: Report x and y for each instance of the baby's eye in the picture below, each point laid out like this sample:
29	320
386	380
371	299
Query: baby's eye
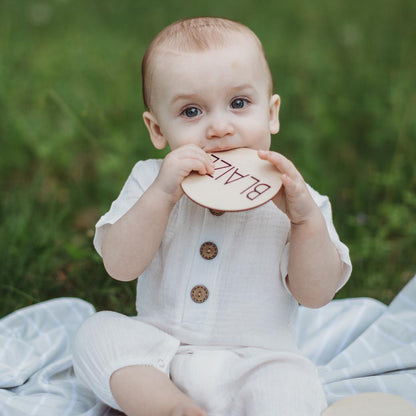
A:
239	103
191	112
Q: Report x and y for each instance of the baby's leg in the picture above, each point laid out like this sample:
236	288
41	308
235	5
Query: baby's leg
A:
158	395
280	383
249	381
126	363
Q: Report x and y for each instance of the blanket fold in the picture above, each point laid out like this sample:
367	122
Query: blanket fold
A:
359	345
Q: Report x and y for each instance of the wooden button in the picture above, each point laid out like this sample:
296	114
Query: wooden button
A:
216	212
208	250
199	294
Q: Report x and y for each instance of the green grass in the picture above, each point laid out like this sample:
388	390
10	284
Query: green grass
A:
71	129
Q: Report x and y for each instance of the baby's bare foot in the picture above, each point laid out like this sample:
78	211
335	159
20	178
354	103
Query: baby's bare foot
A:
187	410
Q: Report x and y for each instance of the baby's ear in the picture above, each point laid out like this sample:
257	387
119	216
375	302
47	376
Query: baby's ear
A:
156	135
274	114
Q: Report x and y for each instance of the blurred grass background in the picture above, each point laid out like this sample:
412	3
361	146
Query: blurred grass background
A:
71	130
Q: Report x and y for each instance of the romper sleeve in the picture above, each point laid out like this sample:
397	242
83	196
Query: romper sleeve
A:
141	177
343	251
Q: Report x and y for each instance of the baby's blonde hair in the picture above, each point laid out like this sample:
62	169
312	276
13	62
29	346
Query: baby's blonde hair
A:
193	35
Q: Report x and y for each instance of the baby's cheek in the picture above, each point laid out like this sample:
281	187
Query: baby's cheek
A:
259	135
181	137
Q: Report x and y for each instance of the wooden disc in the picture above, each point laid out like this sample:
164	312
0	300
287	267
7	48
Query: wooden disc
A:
241	181
371	404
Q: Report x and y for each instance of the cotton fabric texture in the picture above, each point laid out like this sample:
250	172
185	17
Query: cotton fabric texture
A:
249	305
359	345
225	381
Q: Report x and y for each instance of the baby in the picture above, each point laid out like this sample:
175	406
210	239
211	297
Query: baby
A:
218	293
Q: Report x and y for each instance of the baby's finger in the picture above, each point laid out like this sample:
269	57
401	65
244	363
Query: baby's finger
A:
291	187
196	153
205	161
199	167
203	156
189	165
282	163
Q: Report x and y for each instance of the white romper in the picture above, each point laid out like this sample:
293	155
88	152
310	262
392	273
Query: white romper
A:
214	312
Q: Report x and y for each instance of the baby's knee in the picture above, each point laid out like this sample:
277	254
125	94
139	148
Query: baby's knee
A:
108	341
93	330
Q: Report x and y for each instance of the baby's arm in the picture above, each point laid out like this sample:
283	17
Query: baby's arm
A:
315	268
131	243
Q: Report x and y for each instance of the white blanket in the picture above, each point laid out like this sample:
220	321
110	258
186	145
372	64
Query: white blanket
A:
359	345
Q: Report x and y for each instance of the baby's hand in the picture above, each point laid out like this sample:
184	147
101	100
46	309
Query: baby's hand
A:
177	165
293	198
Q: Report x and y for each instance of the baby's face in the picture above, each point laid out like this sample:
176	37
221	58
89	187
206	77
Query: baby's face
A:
218	99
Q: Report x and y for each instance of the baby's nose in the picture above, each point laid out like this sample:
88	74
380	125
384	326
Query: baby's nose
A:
219	127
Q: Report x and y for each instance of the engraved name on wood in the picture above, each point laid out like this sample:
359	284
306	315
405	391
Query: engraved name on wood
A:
232	174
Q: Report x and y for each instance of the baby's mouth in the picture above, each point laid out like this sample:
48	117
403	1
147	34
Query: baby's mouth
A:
218	149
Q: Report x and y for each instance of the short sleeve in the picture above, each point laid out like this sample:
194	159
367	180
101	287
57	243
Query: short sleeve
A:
343	251
140	178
